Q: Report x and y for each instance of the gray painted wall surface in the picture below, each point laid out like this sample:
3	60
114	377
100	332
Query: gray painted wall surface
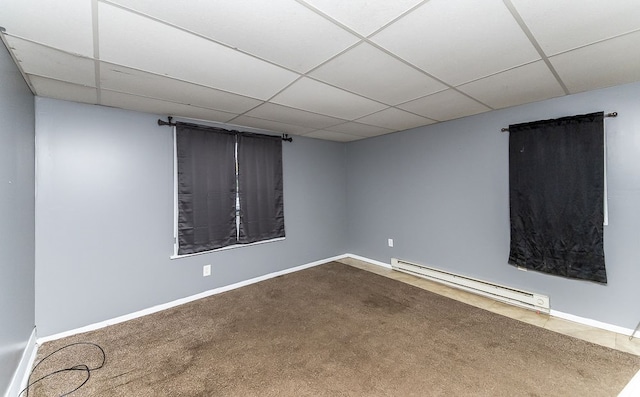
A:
105	216
441	192
17	186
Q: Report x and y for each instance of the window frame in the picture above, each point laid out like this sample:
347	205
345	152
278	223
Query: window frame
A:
175	254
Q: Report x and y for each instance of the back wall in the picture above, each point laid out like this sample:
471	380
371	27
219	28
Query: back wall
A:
104	224
442	193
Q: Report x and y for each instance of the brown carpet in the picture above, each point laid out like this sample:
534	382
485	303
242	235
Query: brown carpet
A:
333	330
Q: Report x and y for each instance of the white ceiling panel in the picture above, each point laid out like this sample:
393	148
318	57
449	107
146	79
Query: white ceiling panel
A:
60	90
363	16
142	43
67	25
371	72
316	66
611	62
316	97
44	61
281	28
564	25
332	136
120	78
281	128
395	119
155	106
284	114
359	129
529	83
444	105
459	41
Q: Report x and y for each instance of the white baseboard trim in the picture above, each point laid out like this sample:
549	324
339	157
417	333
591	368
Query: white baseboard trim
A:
21	376
182	301
372	261
594	323
168	305
555	313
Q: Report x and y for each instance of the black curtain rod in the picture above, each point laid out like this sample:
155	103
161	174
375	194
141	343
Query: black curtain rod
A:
285	137
612	114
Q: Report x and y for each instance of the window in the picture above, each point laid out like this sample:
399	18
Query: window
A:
556	196
229	188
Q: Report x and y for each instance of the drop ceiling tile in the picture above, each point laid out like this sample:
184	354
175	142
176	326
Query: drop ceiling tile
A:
67	26
359	129
363	16
155	106
316	97
135	41
445	105
563	25
395	119
524	84
459	41
273	30
120	78
281	128
371	72
61	90
333	136
47	62
608	63
284	114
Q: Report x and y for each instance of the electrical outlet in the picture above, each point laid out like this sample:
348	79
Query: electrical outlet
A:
206	270
390	242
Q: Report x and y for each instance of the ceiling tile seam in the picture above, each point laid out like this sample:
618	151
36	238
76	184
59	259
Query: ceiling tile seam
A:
131	94
268	100
179	80
3	33
396	19
525	29
47	46
366	124
499	72
449	86
392	107
419	115
169	101
333	132
291	124
274	121
61	81
595	42
191	32
96	47
109	63
366	39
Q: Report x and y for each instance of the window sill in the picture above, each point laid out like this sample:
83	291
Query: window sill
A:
230	247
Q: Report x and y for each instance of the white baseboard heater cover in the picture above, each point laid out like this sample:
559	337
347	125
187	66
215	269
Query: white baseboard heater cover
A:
498	292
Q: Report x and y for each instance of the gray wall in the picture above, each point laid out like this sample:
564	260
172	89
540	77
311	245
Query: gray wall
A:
105	216
441	192
17	186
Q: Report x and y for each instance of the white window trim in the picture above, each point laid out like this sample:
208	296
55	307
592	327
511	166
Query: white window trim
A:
175	214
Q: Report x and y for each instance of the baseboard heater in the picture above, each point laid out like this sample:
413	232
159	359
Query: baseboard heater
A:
501	293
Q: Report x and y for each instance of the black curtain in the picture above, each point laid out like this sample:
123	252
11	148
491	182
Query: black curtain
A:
206	188
260	187
556	196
